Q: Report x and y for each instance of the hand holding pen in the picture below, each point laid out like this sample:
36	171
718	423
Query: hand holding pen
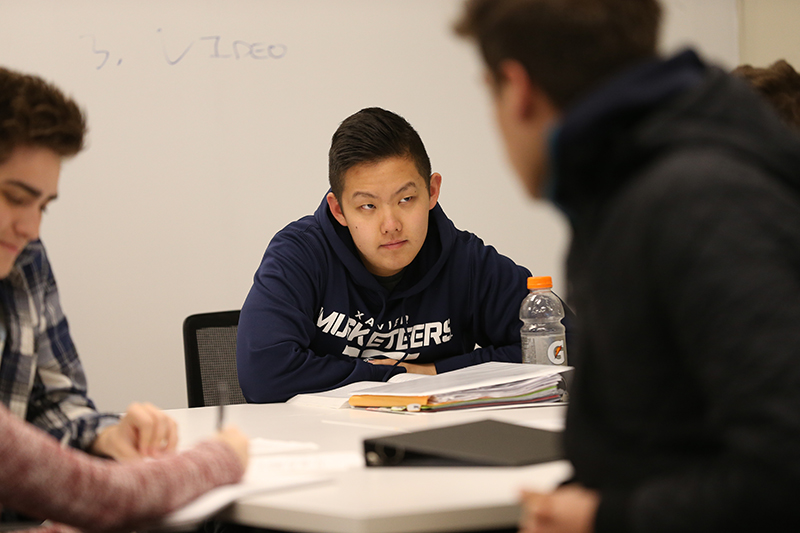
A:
231	434
222	390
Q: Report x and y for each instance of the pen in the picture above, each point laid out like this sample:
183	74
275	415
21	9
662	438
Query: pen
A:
222	388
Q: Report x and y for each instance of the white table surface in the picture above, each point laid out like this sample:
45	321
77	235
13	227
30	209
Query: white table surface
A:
380	499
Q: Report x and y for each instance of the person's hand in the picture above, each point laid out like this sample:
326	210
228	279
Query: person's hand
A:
427	368
144	431
237	440
411	368
570	509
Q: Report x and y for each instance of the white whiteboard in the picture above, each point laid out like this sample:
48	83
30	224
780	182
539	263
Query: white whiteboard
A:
210	122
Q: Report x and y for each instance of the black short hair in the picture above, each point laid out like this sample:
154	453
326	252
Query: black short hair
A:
370	136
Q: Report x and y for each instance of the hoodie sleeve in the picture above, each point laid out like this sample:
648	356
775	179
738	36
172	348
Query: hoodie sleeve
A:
278	323
497	287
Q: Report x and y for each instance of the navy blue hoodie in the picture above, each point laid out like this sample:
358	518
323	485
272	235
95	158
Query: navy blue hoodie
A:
314	312
683	190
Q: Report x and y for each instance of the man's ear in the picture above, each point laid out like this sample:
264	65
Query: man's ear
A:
435	188
336	209
519	91
524	98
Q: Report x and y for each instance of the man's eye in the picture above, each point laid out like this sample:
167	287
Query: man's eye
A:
407	199
368	207
14	199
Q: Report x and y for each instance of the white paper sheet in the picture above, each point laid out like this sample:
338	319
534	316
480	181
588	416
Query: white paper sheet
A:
491	373
217	499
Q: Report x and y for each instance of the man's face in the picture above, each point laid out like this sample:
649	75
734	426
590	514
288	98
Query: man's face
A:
525	117
28	182
385	206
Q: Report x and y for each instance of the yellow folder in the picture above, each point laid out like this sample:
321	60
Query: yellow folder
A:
374	400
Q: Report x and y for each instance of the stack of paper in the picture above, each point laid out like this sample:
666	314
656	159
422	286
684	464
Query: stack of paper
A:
487	384
534	390
337	398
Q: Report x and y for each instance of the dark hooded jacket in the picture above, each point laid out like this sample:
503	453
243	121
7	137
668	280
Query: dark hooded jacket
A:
314	312
683	190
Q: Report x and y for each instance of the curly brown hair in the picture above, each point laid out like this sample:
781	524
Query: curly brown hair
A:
779	84
36	113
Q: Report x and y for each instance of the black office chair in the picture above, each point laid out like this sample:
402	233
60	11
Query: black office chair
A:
209	344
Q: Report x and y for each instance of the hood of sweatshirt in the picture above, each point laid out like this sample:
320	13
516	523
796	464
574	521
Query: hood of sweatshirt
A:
656	107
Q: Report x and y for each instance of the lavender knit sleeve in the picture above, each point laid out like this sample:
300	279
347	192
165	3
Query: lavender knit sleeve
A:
43	480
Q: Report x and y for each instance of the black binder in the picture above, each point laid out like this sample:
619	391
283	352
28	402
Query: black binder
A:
483	443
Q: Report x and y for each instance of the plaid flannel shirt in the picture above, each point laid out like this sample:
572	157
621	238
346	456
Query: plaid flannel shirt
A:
41	378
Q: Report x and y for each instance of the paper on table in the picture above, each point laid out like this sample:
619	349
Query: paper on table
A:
262	446
500	390
337	398
332	399
492	383
484	374
316	463
270	469
472	409
217	499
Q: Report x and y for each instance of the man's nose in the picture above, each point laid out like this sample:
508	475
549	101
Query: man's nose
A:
390	223
28	223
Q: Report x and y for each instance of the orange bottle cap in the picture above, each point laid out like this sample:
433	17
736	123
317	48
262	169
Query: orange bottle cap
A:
540	282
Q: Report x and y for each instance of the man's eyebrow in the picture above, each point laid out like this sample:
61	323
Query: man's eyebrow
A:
364	193
401	190
405	187
33	191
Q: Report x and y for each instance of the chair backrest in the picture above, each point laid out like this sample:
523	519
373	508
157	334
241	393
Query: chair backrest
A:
209	344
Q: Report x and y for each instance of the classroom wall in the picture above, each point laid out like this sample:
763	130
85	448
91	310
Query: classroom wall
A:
769	31
209	127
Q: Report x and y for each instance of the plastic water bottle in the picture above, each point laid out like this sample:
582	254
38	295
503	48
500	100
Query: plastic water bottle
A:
543	334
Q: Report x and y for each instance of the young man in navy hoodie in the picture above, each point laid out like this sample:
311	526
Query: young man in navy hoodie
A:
683	191
378	281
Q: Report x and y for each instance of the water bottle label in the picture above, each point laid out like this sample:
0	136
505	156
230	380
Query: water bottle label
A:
556	353
544	349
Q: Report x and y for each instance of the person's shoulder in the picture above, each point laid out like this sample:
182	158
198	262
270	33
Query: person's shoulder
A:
686	194
303	230
302	243
470	249
466	240
697	175
449	232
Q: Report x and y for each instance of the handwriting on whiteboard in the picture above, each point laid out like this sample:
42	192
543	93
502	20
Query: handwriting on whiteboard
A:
210	47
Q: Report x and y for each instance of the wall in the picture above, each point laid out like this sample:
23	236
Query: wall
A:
210	123
769	31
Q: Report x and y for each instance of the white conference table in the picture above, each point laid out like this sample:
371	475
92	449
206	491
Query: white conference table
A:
380	499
